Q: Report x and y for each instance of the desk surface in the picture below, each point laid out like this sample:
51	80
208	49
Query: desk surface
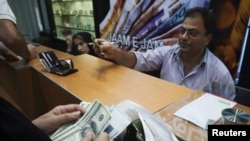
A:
182	128
112	83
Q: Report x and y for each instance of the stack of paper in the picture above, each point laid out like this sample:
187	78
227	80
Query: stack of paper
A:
205	110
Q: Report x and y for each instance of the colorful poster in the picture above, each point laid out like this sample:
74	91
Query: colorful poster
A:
145	24
140	25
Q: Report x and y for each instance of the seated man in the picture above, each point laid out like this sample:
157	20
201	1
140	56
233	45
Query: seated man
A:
188	63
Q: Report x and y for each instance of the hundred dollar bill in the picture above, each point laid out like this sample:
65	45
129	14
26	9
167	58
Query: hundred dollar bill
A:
84	104
93	121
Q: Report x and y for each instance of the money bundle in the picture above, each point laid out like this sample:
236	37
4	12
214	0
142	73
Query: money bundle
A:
97	119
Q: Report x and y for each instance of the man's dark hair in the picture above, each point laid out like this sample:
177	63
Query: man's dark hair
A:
207	16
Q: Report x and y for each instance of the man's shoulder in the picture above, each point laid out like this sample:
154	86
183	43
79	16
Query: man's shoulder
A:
212	58
215	62
6	12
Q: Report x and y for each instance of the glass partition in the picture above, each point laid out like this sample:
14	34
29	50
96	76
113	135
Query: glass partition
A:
232	92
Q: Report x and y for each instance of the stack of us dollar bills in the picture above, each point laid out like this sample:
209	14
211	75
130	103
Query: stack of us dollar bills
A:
98	118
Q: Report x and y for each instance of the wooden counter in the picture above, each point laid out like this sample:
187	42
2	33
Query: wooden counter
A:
18	81
112	83
37	91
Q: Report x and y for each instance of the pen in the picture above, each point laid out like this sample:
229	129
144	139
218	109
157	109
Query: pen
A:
103	43
108	43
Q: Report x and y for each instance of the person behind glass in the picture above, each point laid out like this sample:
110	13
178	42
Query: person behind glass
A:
188	63
80	44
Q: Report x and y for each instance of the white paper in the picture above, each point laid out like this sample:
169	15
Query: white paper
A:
204	110
154	128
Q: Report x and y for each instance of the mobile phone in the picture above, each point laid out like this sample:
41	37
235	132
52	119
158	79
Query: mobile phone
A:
49	58
61	67
96	45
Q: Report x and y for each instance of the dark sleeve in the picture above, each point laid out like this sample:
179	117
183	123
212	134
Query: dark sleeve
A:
15	126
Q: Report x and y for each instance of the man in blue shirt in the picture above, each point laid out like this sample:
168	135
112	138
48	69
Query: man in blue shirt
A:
188	63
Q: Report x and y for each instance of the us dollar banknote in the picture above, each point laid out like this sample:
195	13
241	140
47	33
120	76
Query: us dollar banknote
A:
97	119
65	127
93	121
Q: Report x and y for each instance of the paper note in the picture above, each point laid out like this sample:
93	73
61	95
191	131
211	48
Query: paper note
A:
204	110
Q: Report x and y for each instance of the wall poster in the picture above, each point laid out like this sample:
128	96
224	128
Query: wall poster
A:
140	25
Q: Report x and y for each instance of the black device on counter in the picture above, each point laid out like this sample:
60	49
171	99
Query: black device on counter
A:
56	66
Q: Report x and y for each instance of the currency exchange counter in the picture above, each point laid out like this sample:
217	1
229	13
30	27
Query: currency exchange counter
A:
35	91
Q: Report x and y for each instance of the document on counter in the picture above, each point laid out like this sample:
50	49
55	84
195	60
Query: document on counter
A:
205	110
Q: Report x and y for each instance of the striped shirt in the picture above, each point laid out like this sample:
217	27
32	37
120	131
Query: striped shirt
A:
209	70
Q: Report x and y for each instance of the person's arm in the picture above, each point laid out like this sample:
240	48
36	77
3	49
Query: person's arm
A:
111	52
12	38
8	54
62	114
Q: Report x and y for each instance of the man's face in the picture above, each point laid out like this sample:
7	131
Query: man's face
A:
192	36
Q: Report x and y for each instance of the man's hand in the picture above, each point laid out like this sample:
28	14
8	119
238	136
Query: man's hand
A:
59	115
8	54
102	137
33	52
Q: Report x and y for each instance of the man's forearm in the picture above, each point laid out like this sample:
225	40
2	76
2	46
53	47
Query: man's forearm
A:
127	59
12	38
